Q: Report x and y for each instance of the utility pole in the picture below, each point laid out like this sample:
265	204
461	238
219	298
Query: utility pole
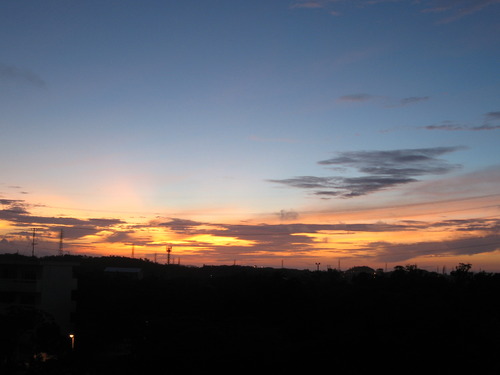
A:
317	266
133	250
33	243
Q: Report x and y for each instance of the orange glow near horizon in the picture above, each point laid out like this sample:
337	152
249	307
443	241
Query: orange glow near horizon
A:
213	240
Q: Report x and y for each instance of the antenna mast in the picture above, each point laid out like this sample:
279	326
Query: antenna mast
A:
169	250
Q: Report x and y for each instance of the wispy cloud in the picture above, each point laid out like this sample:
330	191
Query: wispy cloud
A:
356	98
413	99
380	170
455	127
272	140
451	10
468	242
457	9
491	122
10	73
388	102
17	212
309	4
286	215
493	116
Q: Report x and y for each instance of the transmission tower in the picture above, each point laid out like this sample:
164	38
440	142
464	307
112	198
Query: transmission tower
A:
33	243
61	243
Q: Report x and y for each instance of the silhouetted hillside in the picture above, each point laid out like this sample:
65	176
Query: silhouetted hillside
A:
177	319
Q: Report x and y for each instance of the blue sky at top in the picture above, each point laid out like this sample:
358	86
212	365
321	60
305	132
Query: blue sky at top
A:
171	107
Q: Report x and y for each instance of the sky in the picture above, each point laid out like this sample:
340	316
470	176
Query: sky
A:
271	133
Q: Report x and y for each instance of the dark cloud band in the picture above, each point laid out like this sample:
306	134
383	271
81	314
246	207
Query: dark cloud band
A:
380	170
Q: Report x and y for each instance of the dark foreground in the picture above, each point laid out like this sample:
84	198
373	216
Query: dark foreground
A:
180	320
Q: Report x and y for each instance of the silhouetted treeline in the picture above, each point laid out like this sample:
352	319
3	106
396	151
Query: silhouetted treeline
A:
177	319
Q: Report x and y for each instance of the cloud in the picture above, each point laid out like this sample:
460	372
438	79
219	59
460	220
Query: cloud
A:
180	225
272	140
9	73
261	242
356	98
493	116
364	97
398	252
450	10
490	119
381	170
408	162
17	212
7	246
457	9
413	99
272	240
285	215
11	202
125	236
299	240
309	4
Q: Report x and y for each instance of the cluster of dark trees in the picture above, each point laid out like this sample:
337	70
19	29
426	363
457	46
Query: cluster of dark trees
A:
178	320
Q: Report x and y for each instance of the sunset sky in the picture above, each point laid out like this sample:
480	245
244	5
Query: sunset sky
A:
255	132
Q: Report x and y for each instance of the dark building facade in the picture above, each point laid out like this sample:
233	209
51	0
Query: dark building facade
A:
47	286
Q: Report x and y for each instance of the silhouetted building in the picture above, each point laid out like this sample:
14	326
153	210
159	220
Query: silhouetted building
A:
44	285
124	272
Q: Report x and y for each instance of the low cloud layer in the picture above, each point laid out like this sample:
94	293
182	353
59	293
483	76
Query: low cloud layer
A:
379	170
17	213
256	242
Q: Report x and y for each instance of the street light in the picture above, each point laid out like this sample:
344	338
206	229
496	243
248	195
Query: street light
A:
72	337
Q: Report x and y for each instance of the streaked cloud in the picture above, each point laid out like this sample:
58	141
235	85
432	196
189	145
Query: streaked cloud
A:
413	99
493	116
451	10
455	10
487	241
491	122
254	243
387	102
309	4
17	212
10	73
380	170
356	98
286	215
272	140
